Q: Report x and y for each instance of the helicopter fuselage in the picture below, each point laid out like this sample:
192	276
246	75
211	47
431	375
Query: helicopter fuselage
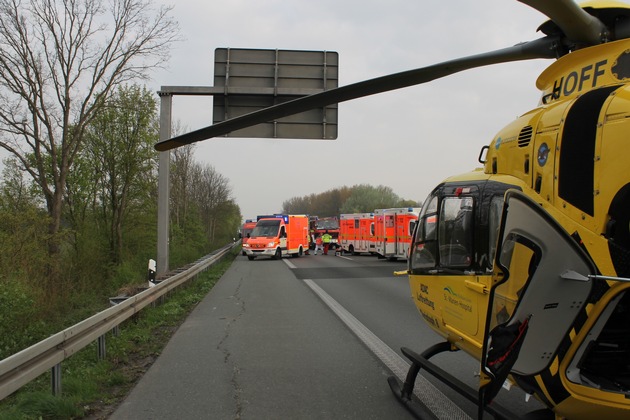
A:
570	156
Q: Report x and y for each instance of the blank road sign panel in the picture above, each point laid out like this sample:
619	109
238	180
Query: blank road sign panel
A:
254	79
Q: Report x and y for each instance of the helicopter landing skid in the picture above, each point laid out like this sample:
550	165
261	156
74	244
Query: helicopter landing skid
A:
404	391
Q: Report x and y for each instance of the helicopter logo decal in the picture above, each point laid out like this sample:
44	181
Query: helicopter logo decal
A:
458	300
576	81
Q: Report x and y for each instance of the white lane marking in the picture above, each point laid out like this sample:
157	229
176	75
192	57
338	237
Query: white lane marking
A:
430	396
345	258
289	263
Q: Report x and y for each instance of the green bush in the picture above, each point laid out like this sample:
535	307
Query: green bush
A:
19	313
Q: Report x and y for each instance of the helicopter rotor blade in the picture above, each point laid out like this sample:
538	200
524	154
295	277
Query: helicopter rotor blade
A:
540	48
577	25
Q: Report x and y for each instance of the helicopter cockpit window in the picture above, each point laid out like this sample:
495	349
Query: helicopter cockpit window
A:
456	232
444	235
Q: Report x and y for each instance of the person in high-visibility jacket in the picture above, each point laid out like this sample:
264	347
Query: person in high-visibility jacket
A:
326	238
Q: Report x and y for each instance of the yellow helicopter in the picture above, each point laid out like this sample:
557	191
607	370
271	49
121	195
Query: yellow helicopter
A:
525	263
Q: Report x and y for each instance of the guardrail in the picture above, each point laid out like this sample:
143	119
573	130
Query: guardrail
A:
21	368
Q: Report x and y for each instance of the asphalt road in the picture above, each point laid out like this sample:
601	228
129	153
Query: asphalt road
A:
303	338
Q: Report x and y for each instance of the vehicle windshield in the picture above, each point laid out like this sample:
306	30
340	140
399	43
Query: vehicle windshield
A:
327	224
266	228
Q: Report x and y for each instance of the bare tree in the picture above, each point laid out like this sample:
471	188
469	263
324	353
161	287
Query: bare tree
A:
198	189
182	163
212	193
59	61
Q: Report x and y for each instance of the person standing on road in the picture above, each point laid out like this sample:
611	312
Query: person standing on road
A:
318	245
326	238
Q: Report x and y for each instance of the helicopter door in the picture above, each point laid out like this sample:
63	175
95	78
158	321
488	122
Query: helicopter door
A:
545	285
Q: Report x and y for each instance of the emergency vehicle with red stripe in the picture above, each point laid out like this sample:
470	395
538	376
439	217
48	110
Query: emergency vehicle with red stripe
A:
356	233
278	235
393	229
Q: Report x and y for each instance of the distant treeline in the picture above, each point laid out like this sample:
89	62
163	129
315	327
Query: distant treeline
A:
360	198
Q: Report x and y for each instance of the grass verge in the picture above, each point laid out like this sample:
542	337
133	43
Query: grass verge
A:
92	388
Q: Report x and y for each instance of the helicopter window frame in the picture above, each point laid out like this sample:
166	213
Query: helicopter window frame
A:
424	243
412	227
495	212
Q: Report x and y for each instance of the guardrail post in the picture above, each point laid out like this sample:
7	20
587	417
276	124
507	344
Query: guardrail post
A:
55	377
102	351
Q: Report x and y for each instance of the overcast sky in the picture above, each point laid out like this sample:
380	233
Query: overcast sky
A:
410	139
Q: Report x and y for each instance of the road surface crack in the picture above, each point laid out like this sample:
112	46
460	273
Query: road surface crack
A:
227	355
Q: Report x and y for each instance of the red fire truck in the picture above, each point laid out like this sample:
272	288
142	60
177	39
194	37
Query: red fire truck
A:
321	225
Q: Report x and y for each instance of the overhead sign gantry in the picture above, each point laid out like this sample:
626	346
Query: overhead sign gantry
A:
248	81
